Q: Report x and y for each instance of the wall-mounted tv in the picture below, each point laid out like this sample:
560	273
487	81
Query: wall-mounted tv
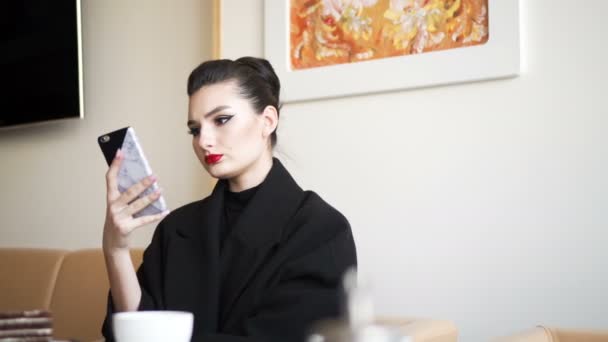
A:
40	61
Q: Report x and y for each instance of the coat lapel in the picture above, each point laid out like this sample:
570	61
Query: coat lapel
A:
193	269
259	228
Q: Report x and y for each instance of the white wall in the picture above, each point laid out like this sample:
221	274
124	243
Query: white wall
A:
482	203
137	57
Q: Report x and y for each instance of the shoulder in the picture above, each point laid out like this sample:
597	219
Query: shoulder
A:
319	237
317	223
315	210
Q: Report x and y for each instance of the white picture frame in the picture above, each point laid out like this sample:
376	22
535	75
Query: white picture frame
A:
499	57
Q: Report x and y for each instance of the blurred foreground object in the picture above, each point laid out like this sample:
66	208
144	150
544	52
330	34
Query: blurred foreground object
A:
359	324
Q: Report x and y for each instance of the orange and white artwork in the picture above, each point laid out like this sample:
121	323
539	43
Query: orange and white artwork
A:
328	32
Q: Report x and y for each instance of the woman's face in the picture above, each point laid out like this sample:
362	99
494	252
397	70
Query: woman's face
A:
228	136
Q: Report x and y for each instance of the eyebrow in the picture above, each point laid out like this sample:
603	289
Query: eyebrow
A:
211	112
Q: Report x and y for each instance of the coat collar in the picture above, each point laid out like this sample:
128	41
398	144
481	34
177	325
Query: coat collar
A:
262	221
267	213
258	229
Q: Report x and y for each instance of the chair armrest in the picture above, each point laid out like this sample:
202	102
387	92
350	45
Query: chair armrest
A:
537	334
548	334
574	335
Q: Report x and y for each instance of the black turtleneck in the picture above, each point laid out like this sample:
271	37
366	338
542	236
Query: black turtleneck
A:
234	204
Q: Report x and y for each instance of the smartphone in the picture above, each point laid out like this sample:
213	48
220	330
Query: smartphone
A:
134	166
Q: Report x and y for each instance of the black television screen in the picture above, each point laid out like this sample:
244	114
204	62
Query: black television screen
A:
40	61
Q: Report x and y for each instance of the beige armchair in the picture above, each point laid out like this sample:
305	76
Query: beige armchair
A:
72	285
547	334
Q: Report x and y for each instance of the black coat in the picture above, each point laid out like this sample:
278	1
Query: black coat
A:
279	270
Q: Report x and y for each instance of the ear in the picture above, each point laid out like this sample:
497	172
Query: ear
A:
270	118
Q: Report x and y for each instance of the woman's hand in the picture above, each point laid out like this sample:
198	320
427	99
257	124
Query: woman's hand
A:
121	207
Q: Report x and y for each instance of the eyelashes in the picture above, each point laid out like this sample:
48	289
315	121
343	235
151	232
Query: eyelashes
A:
222	119
219	120
194	131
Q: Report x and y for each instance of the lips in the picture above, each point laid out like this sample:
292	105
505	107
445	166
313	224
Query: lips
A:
213	158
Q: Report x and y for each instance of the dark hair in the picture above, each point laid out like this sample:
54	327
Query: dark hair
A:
255	79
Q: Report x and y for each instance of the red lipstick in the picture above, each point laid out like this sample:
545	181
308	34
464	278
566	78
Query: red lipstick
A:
213	158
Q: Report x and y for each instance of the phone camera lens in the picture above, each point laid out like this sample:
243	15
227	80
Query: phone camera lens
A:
105	138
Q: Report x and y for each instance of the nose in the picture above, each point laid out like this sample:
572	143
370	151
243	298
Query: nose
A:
206	138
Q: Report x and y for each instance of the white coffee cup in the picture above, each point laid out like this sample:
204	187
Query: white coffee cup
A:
153	326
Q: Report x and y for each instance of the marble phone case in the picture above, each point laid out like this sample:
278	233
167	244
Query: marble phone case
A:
134	166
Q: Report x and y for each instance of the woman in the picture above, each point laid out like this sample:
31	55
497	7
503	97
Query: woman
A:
259	259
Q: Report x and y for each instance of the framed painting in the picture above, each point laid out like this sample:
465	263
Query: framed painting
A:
333	48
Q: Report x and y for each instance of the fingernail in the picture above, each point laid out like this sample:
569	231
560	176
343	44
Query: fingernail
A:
118	153
166	212
153	178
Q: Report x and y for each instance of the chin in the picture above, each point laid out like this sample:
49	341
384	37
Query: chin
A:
218	171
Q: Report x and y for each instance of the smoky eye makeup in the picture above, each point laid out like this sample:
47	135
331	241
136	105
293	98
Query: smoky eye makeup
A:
219	120
223	119
194	131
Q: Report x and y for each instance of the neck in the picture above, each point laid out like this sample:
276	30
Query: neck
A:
253	176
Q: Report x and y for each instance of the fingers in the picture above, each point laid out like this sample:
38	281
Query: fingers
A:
121	207
123	226
141	203
134	191
123	220
112	176
143	220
